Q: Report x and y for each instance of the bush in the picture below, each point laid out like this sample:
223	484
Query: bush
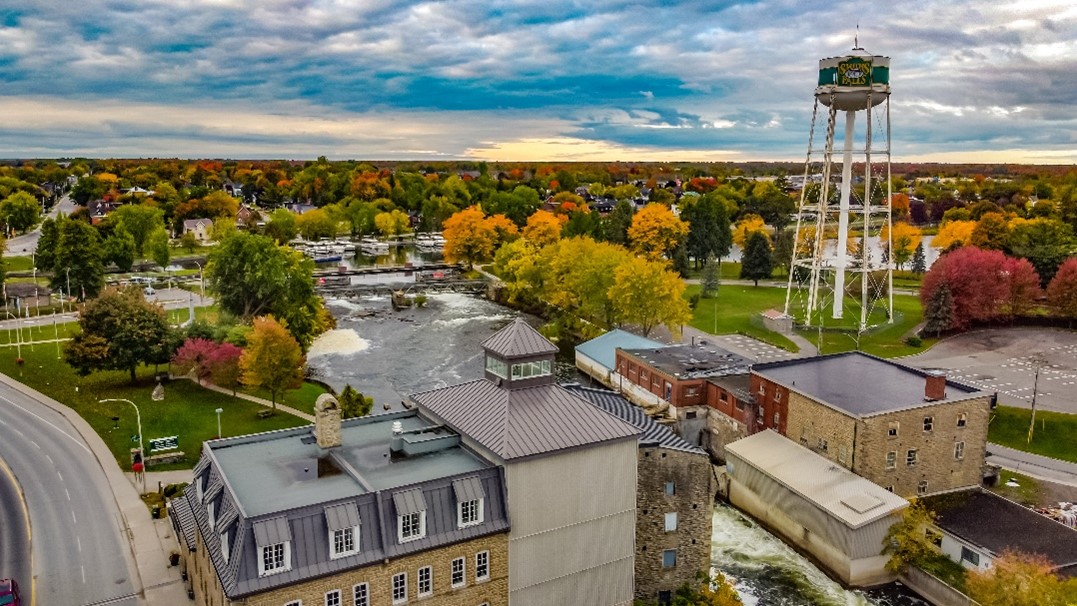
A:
172	490
693	300
913	341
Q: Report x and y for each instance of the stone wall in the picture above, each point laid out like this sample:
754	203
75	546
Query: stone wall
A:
821	429
722	430
692	498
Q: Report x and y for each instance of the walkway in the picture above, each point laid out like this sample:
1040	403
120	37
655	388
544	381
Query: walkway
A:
264	402
1033	465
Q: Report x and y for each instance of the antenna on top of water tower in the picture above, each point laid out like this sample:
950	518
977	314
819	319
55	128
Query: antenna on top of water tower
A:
829	268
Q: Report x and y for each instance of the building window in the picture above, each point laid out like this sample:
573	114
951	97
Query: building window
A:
470	513
526	370
823	445
959	450
211	513
669	391
671	489
890	488
412	526
671	521
201	486
482	566
497	367
843	454
804	435
459	572
295	603
361	594
777	419
690	414
224	545
962	420
669	558
275	558
400	588
425	584
344	542
644	378
691	392
928	423
891	459
665	598
921	487
777	395
970	556
332	598
892	429
910	457
762	389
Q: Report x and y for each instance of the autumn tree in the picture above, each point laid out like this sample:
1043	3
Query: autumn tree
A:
655	232
1062	291
281	226
1045	242
192	358
20	211
748	225
353	403
119	331
576	275
708	590
973	277
392	223
903	239
272	360
647	294
140	221
992	231
316	224
223	366
1022	286
469	237
756	262
906	541
543	227
1017	579
953	234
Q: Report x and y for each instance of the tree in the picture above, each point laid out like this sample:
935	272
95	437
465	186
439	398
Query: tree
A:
992	231
710	279
708	228
974	279
1062	291
904	239
655	232
189	241
45	259
469	237
223	365
748	225
543	227
647	294
907	542
783	249
615	225
129	328
139	220
353	403
1044	242
716	590
119	249
281	226
939	311
919	262
272	359
757	264
78	265
953	234
158	248
20	211
392	223
193	358
1022	286
1017	579
316	224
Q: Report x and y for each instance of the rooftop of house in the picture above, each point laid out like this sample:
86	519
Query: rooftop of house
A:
693	361
286	469
989	521
738	385
603	349
834	489
652	433
842	380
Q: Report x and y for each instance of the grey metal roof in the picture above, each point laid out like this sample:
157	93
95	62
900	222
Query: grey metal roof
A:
738	385
603	349
409	501
654	433
693	361
522	422
858	383
468	489
344	515
518	340
183	518
989	521
272	531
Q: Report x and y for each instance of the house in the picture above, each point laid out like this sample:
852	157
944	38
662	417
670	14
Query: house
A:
369	511
98	209
199	227
733	415
823	509
570	469
248	217
26	294
909	430
597	357
975	526
674	492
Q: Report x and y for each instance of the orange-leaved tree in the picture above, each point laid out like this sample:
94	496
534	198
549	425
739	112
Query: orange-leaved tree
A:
543	227
748	225
655	231
272	359
903	239
953	234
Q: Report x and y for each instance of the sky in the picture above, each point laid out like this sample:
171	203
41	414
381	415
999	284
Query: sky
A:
525	80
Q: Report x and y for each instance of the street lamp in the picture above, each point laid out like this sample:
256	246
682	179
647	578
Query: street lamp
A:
201	281
219	411
138	417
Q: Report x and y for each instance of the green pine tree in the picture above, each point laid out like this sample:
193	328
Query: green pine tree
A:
919	263
710	279
939	311
757	262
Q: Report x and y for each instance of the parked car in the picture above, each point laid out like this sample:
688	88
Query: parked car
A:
9	593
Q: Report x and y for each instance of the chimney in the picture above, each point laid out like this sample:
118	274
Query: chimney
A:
935	389
327	421
396	443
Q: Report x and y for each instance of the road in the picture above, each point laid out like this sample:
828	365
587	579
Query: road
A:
79	550
14	531
27	243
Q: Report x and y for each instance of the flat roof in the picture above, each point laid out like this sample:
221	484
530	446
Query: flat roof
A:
857	383
843	494
282	470
693	361
603	349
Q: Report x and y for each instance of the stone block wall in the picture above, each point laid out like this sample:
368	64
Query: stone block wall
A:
693	494
821	429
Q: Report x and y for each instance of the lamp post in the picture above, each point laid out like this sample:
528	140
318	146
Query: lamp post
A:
138	418
201	281
219	411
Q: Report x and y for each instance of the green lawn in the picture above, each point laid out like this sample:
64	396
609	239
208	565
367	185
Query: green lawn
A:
300	399
734	310
18	263
1027	491
886	340
1053	436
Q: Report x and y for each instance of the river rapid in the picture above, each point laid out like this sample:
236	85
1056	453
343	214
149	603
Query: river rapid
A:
389	354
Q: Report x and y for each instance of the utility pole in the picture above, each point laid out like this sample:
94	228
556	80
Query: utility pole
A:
1039	362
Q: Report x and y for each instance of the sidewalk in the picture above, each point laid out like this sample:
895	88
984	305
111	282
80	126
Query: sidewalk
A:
1033	465
264	402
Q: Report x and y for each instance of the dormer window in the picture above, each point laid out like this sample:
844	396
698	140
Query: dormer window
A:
273	540
526	370
211	511
343	523
224	545
412	526
410	515
470	501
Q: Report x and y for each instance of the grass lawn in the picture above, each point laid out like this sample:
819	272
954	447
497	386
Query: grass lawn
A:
733	310
19	263
886	341
1027	492
300	399
1053	436
187	410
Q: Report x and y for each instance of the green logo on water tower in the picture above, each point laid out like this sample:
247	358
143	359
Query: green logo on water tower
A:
854	72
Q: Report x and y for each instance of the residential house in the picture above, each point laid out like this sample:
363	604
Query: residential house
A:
199	227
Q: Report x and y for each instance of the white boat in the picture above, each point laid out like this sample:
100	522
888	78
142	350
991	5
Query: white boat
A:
372	246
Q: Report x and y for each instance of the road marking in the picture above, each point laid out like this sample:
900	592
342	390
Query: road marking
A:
83	569
61	475
68	493
49	423
36	444
29	530
73	518
79	541
50	460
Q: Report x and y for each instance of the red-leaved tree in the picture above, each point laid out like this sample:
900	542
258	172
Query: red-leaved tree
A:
1022	285
1062	291
193	357
224	368
973	277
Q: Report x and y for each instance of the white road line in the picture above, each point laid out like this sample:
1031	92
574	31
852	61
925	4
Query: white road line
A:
79	541
60	474
49	423
50	459
73	517
83	569
35	444
68	493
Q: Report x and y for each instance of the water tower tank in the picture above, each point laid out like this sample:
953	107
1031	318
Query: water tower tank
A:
845	82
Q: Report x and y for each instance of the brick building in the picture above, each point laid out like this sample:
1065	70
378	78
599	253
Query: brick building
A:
911	431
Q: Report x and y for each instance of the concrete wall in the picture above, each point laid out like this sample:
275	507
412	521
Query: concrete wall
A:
573	517
934	590
693	493
596	371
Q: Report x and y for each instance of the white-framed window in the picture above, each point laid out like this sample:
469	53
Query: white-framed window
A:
762	389
459	572
497	367
671	489
211	513
275	558
921	487
669	558
469	513
424	582
970	556
224	545
777	395
361	594
200	484
482	566
295	603
671	521
526	370
332	598
344	542
891	459
777	419
911	457
412	526
962	420
400	588
823	444
959	450
929	422
843	454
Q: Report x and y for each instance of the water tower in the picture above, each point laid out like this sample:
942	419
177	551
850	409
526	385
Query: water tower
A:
845	201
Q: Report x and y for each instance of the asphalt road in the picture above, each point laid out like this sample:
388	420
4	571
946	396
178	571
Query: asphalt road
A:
78	547
14	531
27	243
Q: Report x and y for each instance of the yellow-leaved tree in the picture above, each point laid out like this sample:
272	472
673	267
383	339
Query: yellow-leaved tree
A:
903	238
392	223
953	234
646	293
543	227
1018	579
272	359
748	225
655	231
469	237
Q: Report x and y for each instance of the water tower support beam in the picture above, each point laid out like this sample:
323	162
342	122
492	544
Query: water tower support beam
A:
842	255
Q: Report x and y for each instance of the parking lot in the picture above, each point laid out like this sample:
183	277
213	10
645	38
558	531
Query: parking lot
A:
1005	360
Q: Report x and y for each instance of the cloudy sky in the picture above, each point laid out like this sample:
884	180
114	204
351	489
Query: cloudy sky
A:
524	79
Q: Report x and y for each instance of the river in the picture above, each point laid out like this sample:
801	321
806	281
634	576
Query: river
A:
389	354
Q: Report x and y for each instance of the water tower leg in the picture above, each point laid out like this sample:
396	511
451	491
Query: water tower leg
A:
842	256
